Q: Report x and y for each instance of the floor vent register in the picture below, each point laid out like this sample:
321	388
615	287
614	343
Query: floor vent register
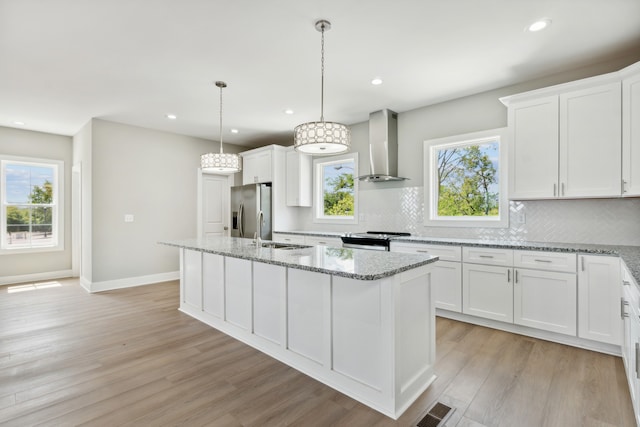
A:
436	416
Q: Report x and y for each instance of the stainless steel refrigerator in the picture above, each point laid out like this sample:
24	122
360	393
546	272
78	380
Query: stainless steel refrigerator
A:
250	210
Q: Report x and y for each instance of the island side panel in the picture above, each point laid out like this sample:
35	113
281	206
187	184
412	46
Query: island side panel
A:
213	284
192	279
238	292
308	308
414	335
269	284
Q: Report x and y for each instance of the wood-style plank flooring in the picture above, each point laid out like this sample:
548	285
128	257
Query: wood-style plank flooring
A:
130	358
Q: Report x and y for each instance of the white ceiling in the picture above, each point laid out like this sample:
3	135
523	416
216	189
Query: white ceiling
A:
63	62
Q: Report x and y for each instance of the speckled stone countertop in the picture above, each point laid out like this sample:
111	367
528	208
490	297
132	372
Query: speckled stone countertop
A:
629	254
352	263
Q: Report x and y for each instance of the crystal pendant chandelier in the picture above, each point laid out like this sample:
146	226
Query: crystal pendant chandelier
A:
221	162
322	137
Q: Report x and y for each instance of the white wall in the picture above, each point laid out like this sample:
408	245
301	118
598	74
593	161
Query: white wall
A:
398	206
153	176
21	267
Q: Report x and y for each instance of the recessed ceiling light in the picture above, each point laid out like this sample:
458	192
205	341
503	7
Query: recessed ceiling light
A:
18	123
234	131
288	111
539	25
377	81
171	116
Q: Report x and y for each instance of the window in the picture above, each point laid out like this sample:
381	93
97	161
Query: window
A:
31	197
466	180
335	192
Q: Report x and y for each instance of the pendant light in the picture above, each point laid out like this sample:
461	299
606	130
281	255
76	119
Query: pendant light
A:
221	162
322	137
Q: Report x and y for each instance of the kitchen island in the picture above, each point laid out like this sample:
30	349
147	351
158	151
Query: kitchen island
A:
362	322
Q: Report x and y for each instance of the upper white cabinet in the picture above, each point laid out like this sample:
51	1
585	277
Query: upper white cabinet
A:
631	132
299	178
566	143
533	154
590	142
257	165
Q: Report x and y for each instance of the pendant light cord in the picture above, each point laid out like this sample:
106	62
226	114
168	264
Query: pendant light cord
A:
220	86
322	76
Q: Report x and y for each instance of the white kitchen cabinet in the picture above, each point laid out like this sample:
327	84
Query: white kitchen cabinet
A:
446	274
566	141
488	256
299	176
257	165
533	150
630	313
487	291
591	142
544	291
631	132
545	300
599	298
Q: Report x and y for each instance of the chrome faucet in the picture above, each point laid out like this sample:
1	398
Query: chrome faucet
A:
259	221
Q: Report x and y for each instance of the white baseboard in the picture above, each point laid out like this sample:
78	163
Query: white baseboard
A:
35	277
129	282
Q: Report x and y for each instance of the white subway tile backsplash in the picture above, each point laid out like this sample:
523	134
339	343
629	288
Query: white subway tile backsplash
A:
599	221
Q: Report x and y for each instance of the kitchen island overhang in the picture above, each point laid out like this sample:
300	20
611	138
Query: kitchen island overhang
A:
362	322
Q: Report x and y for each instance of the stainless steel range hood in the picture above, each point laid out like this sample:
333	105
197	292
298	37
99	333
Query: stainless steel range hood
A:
383	147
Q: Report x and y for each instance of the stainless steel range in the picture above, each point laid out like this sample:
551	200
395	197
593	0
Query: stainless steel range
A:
372	240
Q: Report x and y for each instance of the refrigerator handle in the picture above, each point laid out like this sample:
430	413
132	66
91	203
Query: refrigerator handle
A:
241	220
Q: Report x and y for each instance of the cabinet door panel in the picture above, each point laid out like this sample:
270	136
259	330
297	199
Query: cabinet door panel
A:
213	284
599	299
192	277
487	292
446	278
631	135
533	151
269	282
545	300
591	142
237	292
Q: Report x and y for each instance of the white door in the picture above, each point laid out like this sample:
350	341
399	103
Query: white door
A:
213	205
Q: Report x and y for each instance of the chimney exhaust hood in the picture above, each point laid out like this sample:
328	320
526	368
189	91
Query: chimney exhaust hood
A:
383	147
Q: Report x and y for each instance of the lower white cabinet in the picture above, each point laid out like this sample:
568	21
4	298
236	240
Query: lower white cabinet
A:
323	241
288	238
599	299
446	274
630	314
545	300
237	292
487	291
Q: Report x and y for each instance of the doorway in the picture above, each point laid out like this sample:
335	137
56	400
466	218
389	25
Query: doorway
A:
213	204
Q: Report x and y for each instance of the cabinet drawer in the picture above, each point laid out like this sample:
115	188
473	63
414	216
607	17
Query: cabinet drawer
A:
630	289
288	238
550	261
324	241
444	252
487	256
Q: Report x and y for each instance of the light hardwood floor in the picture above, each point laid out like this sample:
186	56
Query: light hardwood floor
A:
129	357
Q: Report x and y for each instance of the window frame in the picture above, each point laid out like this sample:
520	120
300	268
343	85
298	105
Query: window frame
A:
57	205
318	190
431	193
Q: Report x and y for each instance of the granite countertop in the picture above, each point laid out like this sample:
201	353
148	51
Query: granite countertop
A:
629	254
352	263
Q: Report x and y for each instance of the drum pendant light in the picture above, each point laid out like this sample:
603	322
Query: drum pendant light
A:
322	137
221	162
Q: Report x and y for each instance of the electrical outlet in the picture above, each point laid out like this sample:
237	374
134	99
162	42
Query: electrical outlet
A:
521	218
128	218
